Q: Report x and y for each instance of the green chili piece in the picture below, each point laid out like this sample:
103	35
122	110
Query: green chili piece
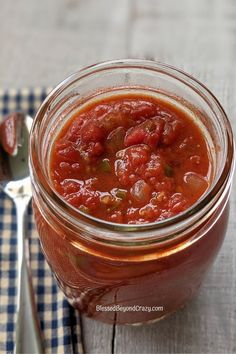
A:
105	165
121	193
115	205
169	172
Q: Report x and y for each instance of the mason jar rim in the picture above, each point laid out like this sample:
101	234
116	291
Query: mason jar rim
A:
127	229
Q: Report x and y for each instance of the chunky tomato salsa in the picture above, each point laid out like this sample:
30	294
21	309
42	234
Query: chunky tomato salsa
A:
130	159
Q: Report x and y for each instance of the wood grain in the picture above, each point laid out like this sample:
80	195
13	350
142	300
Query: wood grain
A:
98	337
43	41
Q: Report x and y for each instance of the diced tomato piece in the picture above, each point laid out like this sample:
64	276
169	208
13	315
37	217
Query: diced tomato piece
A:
154	167
137	155
68	152
130	160
148	132
143	109
92	132
73	133
10	132
95	149
134	136
115	140
171	132
112	121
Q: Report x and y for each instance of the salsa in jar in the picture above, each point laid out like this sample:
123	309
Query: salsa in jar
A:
131	159
131	166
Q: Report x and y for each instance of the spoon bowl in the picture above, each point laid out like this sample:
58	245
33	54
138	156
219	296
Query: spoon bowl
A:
15	182
14	175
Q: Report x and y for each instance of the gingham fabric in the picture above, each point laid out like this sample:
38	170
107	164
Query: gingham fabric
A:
59	322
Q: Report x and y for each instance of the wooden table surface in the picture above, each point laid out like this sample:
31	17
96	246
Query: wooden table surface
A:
41	42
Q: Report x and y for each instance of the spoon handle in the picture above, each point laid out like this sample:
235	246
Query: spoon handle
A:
28	335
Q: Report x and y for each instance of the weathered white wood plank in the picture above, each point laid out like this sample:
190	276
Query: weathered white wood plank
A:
42	42
97	337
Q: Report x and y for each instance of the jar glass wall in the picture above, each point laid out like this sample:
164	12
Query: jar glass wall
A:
131	273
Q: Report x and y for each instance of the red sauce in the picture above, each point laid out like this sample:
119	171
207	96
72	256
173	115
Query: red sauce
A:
98	275
130	159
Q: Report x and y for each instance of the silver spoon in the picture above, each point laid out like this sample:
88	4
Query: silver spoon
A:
15	182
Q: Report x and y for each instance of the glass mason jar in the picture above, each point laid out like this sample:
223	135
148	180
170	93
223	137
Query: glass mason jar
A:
131	274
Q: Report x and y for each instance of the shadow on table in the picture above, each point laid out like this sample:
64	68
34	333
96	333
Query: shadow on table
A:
205	325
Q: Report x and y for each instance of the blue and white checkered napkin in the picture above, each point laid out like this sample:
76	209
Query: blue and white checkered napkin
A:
59	322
